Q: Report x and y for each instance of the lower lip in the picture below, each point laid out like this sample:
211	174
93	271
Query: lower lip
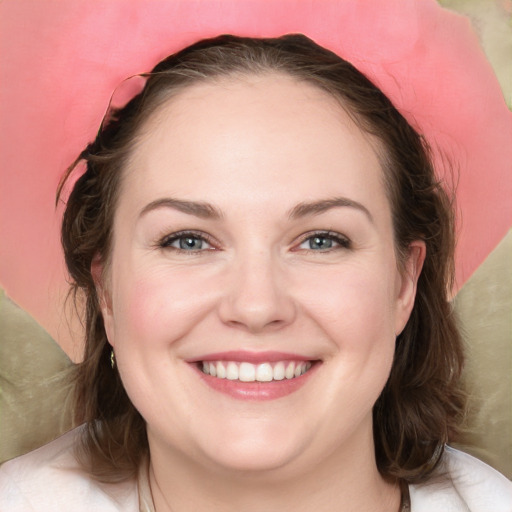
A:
257	390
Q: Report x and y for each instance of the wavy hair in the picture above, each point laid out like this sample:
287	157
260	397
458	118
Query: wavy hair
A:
422	403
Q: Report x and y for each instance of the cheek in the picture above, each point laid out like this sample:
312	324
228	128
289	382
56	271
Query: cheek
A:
159	306
355	304
142	309
356	313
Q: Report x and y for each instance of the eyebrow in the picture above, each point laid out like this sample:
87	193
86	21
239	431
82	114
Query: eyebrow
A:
323	205
199	209
208	211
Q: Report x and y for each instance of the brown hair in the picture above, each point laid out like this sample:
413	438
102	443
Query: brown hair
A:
422	403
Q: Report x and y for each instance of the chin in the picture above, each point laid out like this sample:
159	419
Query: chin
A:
254	450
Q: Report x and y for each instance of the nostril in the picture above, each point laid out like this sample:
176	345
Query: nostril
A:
255	327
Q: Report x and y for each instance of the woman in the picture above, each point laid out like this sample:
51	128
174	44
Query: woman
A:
265	256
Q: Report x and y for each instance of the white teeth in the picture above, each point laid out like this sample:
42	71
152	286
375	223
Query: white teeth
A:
231	371
264	372
290	370
248	372
221	371
279	371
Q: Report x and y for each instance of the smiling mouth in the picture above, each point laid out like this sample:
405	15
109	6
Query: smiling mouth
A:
248	372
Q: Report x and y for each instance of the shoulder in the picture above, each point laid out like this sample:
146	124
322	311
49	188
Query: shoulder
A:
50	479
467	484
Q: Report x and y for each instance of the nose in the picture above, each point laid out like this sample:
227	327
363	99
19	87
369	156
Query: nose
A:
257	297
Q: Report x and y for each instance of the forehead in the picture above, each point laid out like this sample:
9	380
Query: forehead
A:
274	129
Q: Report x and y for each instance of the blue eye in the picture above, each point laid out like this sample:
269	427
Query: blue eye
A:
319	243
322	242
187	242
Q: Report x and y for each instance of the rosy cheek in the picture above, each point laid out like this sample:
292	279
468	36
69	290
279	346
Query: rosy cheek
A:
348	307
133	311
162	308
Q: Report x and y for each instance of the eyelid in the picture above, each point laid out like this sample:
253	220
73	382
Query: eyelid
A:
165	241
343	241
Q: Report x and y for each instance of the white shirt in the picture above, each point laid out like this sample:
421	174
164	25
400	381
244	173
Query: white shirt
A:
50	480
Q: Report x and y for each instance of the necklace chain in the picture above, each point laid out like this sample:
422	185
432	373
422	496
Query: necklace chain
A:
405	499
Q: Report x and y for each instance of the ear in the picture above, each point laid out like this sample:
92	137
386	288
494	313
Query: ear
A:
407	283
104	297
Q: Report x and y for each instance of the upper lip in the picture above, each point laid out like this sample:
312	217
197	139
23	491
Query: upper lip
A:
241	356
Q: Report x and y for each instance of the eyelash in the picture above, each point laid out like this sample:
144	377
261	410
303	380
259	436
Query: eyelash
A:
341	241
166	241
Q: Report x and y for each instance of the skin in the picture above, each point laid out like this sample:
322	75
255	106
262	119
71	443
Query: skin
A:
255	148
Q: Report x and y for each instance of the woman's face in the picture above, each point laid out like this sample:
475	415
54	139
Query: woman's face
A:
253	241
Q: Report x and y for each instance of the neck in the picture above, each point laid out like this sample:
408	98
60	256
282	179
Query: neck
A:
347	480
